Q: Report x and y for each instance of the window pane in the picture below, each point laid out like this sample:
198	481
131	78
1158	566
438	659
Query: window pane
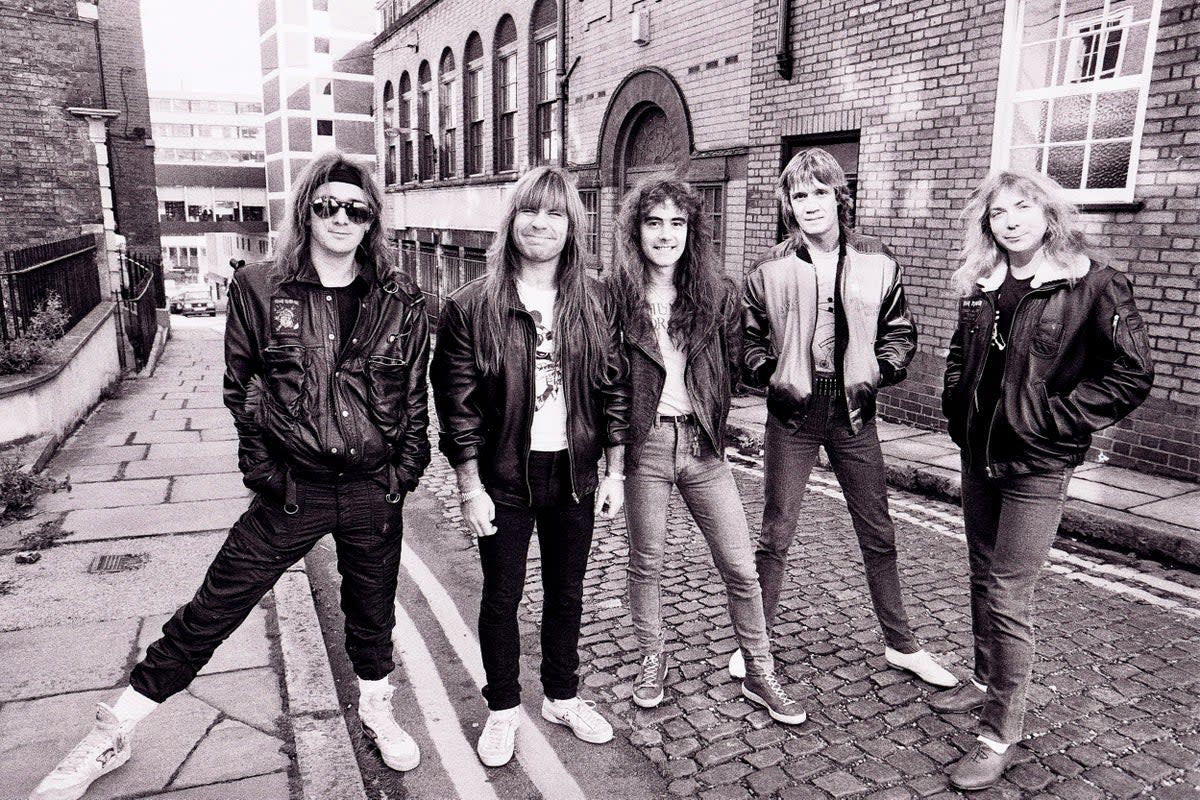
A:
1029	124
1108	165
1029	158
1138	10
1071	118
1041	20
1135	50
1115	115
1065	165
1036	66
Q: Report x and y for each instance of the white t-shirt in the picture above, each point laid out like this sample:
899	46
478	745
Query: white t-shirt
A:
823	337
674	401
549	431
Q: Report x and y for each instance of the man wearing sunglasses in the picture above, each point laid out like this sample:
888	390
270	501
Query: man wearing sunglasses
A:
326	348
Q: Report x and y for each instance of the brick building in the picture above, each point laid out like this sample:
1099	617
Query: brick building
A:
918	102
921	101
75	148
316	65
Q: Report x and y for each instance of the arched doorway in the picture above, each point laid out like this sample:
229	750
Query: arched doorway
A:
646	130
651	147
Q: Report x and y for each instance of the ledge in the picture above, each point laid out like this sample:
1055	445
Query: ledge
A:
1102	208
62	354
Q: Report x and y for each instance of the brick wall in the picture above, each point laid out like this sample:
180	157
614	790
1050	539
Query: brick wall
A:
135	199
47	164
920	87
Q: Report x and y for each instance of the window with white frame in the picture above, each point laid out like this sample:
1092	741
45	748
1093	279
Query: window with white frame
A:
1074	78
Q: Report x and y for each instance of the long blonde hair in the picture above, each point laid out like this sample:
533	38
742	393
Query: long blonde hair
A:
579	324
981	253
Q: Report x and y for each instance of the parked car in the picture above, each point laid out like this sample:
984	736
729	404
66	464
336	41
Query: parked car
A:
193	302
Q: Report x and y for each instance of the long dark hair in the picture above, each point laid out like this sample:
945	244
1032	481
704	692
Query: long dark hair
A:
292	249
698	282
579	324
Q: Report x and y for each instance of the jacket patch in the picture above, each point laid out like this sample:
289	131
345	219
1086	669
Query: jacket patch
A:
285	315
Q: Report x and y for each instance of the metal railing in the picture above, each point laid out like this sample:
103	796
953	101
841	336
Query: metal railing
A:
28	275
151	257
138	307
438	271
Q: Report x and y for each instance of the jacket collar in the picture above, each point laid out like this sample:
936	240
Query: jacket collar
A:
1048	272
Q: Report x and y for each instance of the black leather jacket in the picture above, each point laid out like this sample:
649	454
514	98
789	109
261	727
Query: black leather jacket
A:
303	410
712	363
488	417
1077	360
874	334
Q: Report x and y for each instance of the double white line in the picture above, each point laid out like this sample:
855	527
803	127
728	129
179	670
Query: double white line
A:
541	763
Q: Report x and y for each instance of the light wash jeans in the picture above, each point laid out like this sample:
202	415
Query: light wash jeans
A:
1010	523
857	460
677	455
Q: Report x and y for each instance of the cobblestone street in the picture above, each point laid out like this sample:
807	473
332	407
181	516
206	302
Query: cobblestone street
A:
1113	709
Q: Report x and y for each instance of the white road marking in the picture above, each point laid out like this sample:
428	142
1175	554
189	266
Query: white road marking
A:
456	753
1069	566
542	764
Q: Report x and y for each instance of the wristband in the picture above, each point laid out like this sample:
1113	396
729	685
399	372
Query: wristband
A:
478	491
616	476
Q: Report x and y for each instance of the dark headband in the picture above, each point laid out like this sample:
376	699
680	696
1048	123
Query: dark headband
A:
344	173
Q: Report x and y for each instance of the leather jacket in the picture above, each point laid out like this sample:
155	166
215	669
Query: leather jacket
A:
303	410
713	362
874	335
1077	360
487	417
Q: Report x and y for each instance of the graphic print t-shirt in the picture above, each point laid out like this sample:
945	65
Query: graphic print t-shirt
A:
674	400
822	345
549	432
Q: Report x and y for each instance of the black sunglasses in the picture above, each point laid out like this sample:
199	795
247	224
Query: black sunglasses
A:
357	212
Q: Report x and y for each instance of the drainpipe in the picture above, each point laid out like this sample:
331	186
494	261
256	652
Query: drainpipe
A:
562	83
783	41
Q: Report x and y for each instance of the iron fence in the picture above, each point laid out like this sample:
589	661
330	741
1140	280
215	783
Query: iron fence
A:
151	257
440	270
139	307
28	276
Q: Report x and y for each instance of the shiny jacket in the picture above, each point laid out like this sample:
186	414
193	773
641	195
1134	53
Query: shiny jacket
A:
874	335
303	410
1077	361
488	417
713	362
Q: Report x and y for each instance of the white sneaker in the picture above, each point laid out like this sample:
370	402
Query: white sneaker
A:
737	665
397	748
104	749
580	716
499	737
922	665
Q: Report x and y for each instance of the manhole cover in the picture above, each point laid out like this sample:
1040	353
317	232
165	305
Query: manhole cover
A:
118	563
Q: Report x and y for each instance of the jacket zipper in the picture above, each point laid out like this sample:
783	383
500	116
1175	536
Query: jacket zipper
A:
1116	321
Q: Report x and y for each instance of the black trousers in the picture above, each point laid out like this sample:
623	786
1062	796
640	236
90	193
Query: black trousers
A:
261	546
564	529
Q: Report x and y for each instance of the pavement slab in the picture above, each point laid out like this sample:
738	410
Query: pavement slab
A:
229	751
34	666
1105	495
154	520
164	437
166	467
189	450
97	473
274	786
106	495
251	696
209	487
69	457
246	648
1183	510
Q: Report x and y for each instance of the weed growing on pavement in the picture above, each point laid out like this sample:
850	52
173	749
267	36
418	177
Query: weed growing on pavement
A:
7	586
20	488
45	535
48	324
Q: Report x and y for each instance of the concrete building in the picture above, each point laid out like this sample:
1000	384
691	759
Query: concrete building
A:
918	103
212	182
317	86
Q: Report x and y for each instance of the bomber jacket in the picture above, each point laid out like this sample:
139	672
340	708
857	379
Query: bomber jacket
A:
1077	360
305	409
488	417
713	361
874	335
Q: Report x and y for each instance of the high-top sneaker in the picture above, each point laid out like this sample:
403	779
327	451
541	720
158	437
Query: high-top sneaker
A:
398	749
104	749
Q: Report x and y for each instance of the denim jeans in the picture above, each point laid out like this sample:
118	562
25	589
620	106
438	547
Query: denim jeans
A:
857	462
261	546
1010	523
679	455
564	529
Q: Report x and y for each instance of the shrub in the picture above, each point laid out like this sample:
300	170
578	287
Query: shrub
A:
19	488
48	323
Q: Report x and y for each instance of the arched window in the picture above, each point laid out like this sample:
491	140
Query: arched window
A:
447	113
425	137
473	105
505	105
404	126
543	45
390	133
